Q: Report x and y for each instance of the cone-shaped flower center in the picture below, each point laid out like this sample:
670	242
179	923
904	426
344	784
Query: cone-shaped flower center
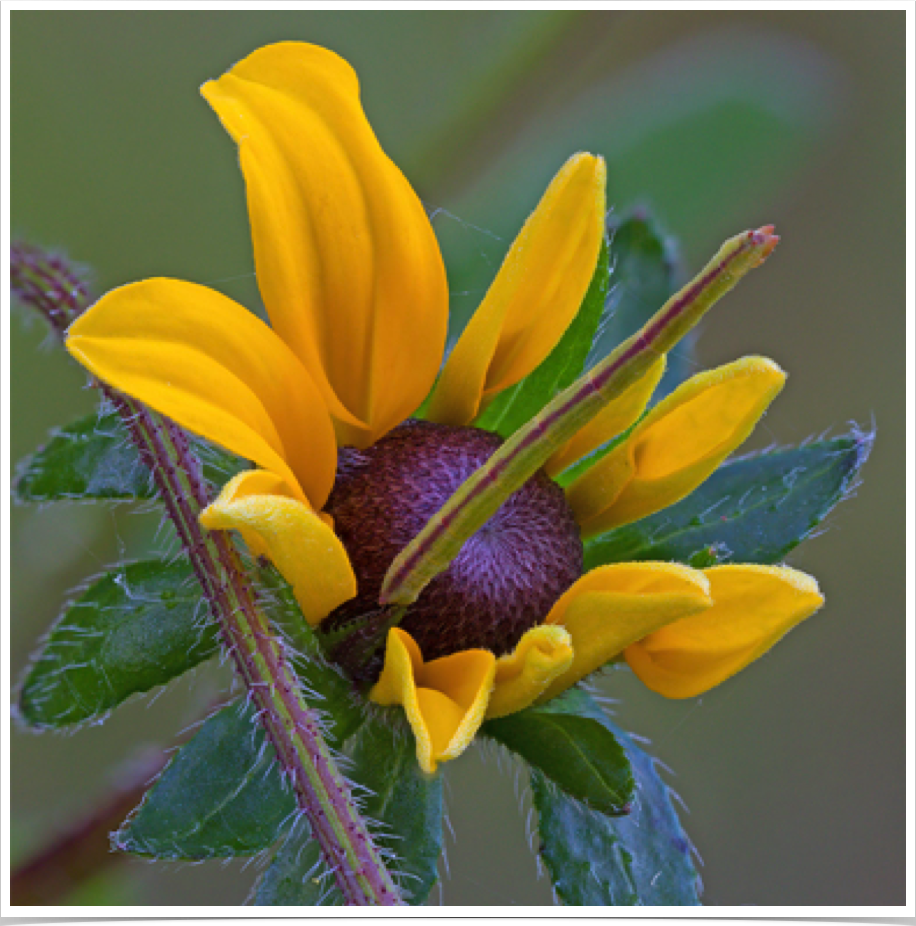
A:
507	576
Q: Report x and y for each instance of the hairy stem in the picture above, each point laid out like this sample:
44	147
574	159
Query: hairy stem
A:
529	448
50	286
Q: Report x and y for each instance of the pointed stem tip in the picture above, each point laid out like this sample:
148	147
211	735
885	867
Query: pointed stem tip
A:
764	239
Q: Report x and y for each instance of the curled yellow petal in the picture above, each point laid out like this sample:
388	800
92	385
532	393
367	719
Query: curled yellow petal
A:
218	370
534	297
753	608
676	446
445	700
543	653
614	419
612	606
299	542
347	262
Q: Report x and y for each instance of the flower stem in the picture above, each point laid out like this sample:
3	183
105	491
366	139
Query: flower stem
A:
294	729
525	452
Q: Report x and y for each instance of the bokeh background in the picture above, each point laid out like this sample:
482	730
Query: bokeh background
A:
793	772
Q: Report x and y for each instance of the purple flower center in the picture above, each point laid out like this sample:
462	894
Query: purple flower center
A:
506	577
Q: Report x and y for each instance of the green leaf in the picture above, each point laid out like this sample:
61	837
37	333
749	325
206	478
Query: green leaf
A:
89	459
404	798
584	856
94	459
137	627
516	406
221	795
642	859
578	754
751	510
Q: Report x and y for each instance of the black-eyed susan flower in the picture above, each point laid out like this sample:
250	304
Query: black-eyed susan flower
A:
321	403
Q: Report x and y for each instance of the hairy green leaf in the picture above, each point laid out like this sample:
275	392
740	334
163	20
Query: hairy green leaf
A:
751	510
578	754
642	859
89	459
93	459
137	627
517	405
221	795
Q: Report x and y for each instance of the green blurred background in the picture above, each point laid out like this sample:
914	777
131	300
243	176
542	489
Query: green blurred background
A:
793	772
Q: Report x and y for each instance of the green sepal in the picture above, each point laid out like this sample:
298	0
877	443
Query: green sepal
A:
399	795
751	510
220	796
578	754
515	406
644	859
137	627
93	459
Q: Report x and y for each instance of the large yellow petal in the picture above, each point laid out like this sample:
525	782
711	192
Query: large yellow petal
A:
534	297
347	262
676	446
445	700
613	419
543	653
753	608
218	370
611	607
299	542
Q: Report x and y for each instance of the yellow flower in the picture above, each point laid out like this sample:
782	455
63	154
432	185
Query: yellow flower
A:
352	279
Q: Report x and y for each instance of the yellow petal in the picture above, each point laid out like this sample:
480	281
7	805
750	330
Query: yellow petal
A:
297	540
614	419
347	262
543	653
204	361
534	297
445	700
613	606
676	446
753	608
